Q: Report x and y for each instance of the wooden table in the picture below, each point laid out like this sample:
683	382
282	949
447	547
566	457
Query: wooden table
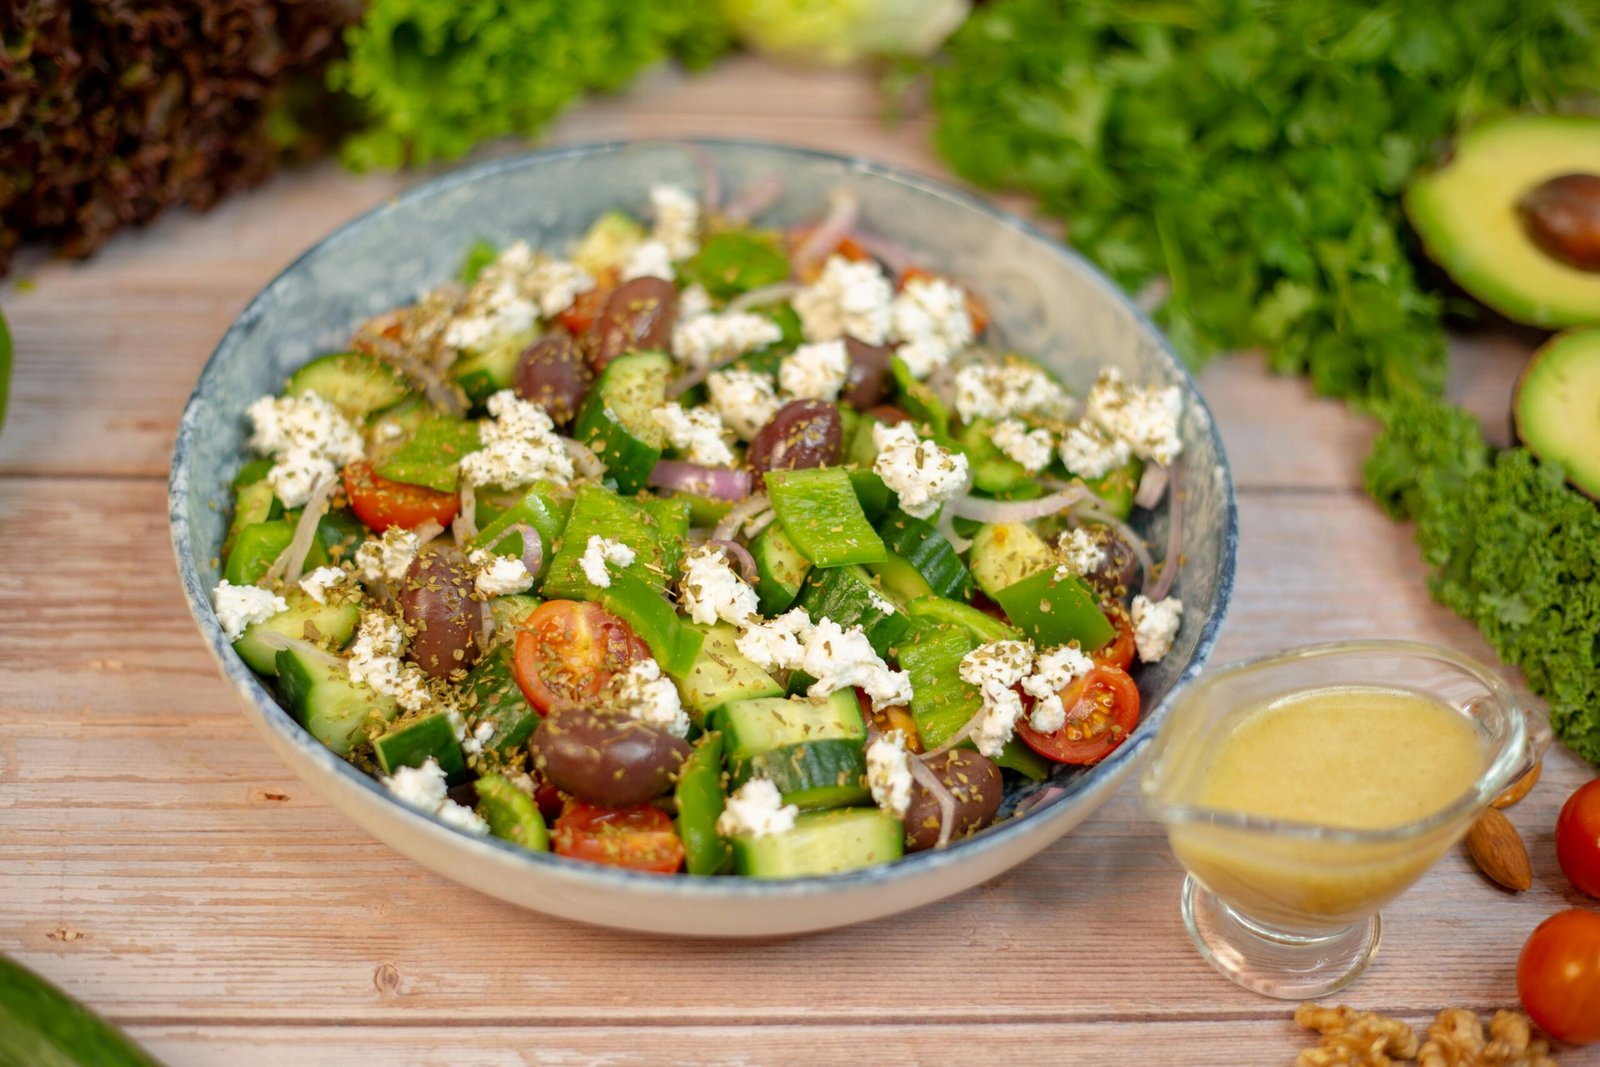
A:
159	863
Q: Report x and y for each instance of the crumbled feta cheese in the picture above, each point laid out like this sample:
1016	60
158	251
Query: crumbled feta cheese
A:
815	372
498	575
920	472
641	692
520	446
387	557
1089	452
745	399
778	643
375	662
839	659
424	788
1053	671
317	584
696	432
556	283
848	298
756	808
931	322
1080	553
889	773
1155	624
601	551
500	303
1031	448
994	668
1147	419
649	259
473	744
693	300
240	607
718	338
677	220
710	590
1004	390
309	439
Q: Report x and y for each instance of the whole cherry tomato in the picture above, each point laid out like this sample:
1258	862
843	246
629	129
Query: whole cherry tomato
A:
1578	838
1558	976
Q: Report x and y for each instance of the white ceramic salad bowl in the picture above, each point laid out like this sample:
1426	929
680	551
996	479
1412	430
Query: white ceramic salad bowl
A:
1049	303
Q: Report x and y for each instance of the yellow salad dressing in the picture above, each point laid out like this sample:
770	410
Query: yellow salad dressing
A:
1350	757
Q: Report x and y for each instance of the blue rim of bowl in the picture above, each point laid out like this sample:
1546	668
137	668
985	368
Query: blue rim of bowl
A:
912	866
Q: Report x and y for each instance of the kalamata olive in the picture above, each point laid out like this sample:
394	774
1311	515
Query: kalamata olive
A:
435	601
1562	216
607	760
889	415
972	779
1119	571
552	373
802	434
868	380
638	315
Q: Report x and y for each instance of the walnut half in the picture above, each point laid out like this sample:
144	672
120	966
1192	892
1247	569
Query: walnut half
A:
1351	1038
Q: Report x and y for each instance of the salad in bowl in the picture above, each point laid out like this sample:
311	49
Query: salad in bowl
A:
698	544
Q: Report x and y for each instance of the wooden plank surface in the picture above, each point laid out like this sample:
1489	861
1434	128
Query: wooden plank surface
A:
157	860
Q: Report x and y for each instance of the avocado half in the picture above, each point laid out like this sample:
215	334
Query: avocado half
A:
1557	407
1465	211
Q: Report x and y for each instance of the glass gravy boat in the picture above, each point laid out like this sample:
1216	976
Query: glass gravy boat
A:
1289	909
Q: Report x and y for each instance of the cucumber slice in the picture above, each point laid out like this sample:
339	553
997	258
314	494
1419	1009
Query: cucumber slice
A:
1004	553
780	569
335	710
354	382
606	246
1117	487
992	470
722	674
1055	610
328	626
846	595
415	740
918	401
822	842
927	552
750	727
615	419
492	695
509	610
511	814
252	472
822	515
811	774
700	802
254	502
483	374
259	544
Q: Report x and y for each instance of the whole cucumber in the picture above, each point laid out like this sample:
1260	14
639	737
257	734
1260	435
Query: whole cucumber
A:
40	1026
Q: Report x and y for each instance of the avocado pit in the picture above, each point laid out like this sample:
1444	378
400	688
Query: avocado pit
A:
1562	217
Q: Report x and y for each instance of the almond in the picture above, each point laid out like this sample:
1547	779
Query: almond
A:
1499	851
1519	788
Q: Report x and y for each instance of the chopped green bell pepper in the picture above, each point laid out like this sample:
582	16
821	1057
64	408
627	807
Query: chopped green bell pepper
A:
822	515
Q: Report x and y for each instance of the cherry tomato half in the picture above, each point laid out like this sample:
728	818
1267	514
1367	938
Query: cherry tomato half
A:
380	503
1102	709
641	838
975	309
1117	652
1558	976
584	310
1578	838
567	650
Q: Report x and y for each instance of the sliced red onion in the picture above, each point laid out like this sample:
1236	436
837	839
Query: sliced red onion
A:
843	208
464	527
532	545
968	728
696	375
584	461
941	794
754	201
719	483
1152	485
291	562
767	294
891	254
1087	511
1169	563
981	510
947	526
748	508
741	557
754	527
